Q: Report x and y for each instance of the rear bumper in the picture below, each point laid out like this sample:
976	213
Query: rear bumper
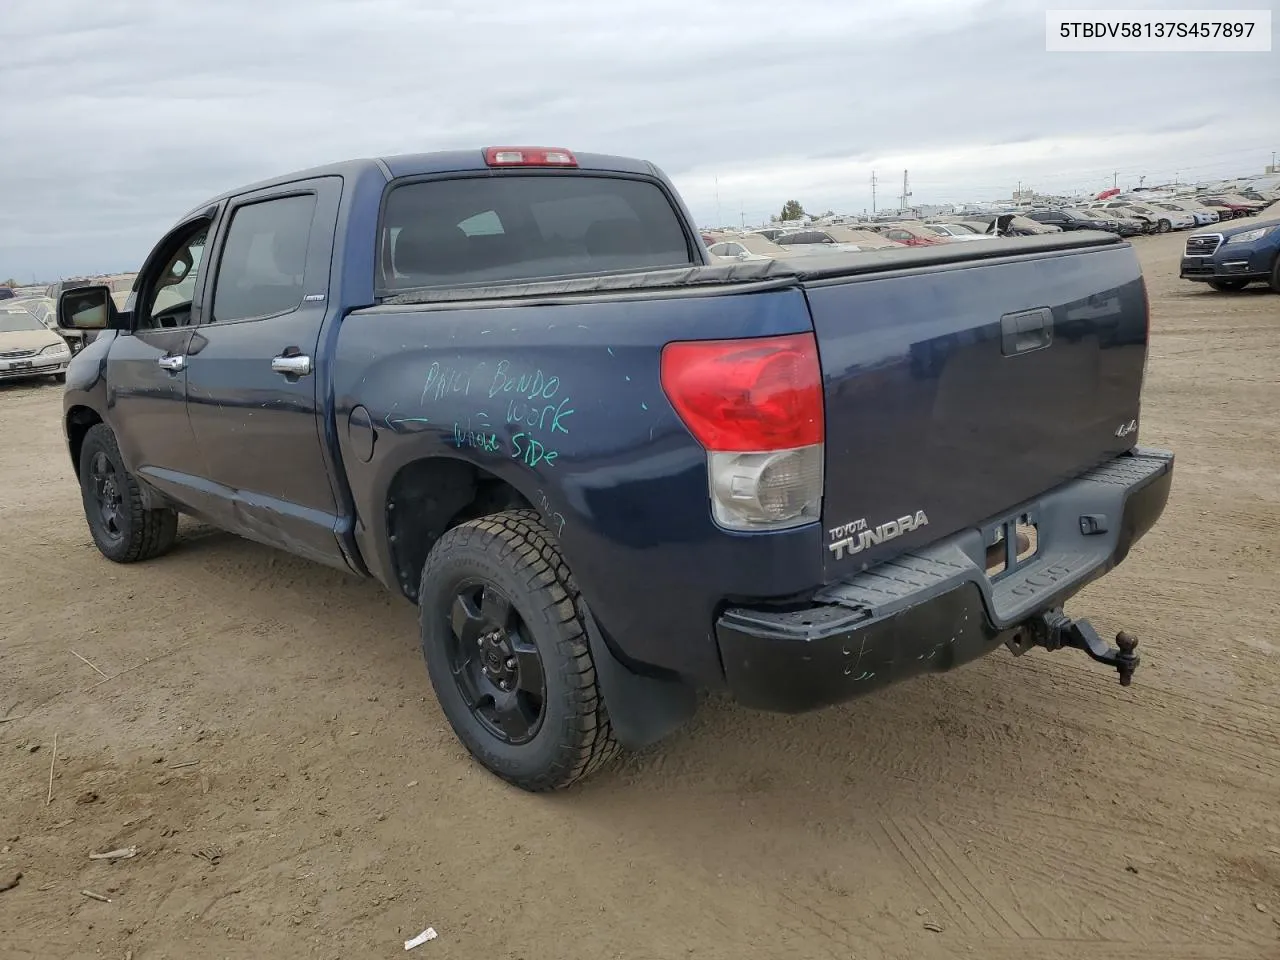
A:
935	608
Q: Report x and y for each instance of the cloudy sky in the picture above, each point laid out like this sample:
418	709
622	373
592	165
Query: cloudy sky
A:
119	115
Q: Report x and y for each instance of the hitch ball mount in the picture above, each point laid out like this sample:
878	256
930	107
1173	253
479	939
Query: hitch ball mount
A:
1054	630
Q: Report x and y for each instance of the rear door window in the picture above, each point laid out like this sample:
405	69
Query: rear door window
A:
263	259
513	227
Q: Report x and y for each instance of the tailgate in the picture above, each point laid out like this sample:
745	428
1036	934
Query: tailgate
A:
957	390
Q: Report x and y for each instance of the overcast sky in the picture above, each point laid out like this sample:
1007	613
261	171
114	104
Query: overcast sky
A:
116	117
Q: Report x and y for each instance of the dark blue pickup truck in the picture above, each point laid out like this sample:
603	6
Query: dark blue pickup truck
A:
511	385
1232	258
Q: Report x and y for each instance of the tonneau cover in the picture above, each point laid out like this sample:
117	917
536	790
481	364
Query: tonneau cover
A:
821	266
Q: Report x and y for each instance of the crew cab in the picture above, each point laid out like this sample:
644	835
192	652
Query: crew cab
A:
1231	258
510	385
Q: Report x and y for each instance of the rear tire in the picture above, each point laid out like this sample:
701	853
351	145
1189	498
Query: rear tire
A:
1228	286
122	527
508	655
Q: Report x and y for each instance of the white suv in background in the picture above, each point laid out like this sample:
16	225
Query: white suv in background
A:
1203	215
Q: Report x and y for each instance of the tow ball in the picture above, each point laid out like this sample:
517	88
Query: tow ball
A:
1054	630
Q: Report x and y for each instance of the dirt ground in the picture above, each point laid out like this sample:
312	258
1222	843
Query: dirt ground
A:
270	744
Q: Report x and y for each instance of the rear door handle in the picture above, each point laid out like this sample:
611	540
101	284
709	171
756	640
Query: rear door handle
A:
295	366
173	364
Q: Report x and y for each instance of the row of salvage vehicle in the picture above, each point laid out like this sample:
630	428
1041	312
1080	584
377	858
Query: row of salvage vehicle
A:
1129	216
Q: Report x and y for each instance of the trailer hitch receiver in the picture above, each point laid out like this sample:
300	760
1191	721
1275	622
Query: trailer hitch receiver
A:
1054	630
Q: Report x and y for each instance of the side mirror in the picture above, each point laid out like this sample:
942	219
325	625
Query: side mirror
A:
87	308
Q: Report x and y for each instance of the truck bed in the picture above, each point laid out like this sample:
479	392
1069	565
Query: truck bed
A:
723	279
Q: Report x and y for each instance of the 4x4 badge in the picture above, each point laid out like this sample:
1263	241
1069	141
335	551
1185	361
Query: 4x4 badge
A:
1127	428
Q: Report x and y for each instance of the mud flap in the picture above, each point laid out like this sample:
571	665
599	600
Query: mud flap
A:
643	709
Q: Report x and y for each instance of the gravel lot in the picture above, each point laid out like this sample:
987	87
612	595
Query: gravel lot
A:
271	746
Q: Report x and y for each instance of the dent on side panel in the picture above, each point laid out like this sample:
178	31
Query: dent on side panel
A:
564	403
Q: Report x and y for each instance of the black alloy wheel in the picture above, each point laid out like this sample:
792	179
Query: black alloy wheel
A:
108	495
496	667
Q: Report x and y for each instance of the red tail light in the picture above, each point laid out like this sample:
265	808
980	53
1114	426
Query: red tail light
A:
747	395
529	157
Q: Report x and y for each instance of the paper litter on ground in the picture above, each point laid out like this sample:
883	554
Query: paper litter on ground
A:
420	939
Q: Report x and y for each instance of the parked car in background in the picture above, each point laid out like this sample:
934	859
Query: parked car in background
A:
1125	226
1011	224
27	347
6	293
1149	223
911	234
55	290
1230	208
1166	220
1071	220
1233	257
744	248
863	239
44	309
1203	215
976	223
956	231
814	237
1122	208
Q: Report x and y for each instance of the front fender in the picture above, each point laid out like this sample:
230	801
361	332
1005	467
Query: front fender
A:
85	392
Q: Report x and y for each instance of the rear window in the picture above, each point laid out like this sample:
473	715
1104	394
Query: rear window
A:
522	227
805	236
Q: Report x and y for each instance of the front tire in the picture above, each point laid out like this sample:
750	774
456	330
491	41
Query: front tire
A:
1275	275
1228	286
508	655
1165	226
122	527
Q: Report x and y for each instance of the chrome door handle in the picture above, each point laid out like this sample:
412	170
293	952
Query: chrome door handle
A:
298	366
173	364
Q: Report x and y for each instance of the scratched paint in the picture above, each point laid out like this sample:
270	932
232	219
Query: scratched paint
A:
554	517
391	423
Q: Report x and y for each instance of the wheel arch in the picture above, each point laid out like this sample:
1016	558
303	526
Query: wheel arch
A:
427	497
430	495
80	419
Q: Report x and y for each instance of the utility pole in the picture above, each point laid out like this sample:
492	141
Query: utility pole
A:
1018	196
719	215
906	191
873	192
1115	180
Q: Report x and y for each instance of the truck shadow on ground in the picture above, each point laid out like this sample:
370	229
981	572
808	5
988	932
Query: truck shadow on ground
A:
932	733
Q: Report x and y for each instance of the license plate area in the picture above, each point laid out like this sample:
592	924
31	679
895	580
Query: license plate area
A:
20	364
1011	544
